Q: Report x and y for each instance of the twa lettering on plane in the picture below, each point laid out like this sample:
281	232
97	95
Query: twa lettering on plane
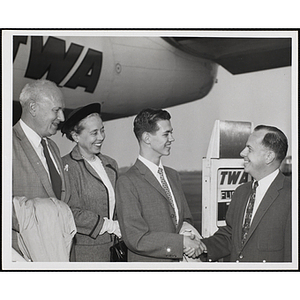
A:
51	58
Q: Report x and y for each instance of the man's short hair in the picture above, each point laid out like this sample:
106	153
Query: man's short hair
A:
146	121
274	140
35	90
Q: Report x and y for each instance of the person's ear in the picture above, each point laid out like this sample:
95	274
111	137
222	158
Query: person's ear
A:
32	108
270	157
146	137
74	136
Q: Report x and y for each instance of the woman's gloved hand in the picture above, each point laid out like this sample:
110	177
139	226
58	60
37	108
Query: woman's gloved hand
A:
112	227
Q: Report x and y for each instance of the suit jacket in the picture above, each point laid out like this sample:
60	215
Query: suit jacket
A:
146	217
269	237
30	178
89	202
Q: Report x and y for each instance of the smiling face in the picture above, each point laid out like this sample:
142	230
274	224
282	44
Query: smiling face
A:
255	155
91	137
161	140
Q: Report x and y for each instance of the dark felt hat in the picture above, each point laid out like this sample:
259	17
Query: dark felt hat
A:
78	114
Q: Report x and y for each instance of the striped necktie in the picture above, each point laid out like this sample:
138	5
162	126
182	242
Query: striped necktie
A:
54	176
167	190
249	210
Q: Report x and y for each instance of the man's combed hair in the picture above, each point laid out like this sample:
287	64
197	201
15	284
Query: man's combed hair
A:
274	140
146	121
35	90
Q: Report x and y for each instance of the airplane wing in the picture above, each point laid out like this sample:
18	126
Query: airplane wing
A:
238	55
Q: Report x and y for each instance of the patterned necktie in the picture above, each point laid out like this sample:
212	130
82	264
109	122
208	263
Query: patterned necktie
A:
249	210
166	189
55	177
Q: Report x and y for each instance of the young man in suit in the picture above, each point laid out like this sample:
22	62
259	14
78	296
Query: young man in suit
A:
151	206
259	231
37	178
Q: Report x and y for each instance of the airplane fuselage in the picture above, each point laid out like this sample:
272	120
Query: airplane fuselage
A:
124	74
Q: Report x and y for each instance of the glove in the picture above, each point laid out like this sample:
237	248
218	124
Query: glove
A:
112	227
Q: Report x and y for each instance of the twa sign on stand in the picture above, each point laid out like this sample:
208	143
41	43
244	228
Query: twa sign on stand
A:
223	171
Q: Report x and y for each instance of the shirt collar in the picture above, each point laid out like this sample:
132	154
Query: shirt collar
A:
152	166
265	182
32	136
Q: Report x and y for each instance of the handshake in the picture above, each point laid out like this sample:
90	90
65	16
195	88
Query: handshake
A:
192	245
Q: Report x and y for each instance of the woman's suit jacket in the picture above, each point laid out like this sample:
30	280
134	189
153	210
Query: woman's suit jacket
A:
269	237
146	217
89	201
30	178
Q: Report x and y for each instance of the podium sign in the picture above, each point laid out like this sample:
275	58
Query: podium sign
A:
228	180
222	172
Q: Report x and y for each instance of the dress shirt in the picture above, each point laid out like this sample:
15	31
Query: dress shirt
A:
261	190
35	141
99	168
154	169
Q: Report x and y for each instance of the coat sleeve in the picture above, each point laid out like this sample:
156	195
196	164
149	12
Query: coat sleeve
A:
135	230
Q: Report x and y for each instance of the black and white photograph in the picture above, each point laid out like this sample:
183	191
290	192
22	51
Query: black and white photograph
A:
135	160
150	150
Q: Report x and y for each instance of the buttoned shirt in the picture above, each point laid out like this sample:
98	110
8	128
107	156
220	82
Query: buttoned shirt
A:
35	141
154	169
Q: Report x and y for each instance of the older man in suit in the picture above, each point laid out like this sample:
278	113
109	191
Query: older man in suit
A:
151	206
39	181
258	221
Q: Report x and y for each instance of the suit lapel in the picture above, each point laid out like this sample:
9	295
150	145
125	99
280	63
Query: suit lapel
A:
91	170
148	175
150	178
34	160
109	169
270	196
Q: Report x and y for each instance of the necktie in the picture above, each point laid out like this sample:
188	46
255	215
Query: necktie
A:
55	177
166	189
249	210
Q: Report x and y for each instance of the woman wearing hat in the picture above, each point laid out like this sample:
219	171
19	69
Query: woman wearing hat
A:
93	177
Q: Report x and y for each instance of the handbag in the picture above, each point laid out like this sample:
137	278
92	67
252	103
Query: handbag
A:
118	251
